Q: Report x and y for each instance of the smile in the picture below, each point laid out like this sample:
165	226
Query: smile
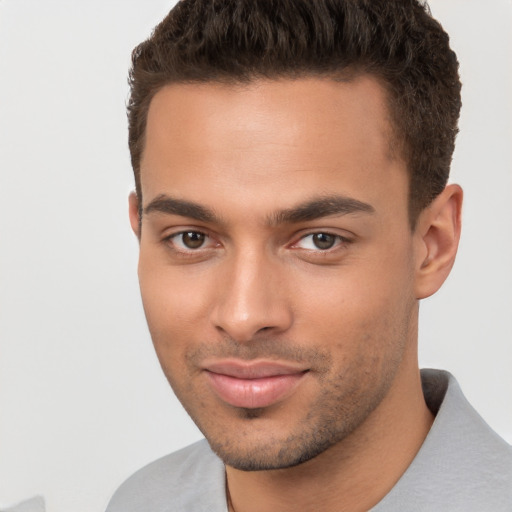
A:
253	385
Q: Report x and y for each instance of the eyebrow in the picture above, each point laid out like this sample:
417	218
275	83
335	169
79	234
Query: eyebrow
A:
315	208
318	208
181	207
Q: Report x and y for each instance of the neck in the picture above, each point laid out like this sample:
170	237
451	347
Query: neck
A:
353	475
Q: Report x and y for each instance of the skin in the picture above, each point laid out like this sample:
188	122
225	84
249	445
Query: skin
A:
232	165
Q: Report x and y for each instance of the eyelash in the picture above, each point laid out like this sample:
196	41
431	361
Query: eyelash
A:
170	241
339	243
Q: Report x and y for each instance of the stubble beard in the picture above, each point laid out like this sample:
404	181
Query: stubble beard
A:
327	424
345	402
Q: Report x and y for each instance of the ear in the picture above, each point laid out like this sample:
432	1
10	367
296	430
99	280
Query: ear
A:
437	236
133	208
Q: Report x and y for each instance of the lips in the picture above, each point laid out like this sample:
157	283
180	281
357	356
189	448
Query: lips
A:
255	384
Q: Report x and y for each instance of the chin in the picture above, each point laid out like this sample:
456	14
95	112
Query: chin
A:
247	454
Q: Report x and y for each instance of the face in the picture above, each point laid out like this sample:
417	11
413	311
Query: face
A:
276	261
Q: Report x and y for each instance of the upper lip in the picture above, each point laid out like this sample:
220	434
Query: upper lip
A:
252	369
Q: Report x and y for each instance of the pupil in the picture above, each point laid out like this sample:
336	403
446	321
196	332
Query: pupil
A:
323	240
193	240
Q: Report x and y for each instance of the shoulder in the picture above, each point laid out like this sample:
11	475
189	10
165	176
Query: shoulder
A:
459	430
463	465
35	504
189	479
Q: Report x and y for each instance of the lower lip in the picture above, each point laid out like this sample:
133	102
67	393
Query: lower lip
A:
253	393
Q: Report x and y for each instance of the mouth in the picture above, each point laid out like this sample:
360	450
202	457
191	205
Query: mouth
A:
254	384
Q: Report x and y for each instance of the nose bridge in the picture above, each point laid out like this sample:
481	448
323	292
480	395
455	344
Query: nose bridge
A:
252	299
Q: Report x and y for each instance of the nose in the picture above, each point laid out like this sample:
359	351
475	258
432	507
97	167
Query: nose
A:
251	298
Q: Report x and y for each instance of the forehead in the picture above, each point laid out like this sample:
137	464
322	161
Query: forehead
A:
310	105
309	135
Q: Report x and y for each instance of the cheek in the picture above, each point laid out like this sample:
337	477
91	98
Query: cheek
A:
175	305
353	295
360	306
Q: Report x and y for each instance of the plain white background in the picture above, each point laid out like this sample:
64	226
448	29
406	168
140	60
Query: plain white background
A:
82	399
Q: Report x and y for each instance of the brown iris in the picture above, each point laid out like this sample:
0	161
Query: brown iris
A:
193	239
323	240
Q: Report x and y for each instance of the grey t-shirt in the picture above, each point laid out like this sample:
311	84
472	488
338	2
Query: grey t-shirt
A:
462	466
35	504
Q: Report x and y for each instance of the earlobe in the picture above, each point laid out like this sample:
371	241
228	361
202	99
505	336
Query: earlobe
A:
133	209
437	237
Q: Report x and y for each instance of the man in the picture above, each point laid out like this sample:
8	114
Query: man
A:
291	163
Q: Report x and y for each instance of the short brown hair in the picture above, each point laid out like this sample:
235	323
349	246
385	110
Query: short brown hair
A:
396	41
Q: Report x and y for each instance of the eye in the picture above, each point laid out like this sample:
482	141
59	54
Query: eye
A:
189	240
319	241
